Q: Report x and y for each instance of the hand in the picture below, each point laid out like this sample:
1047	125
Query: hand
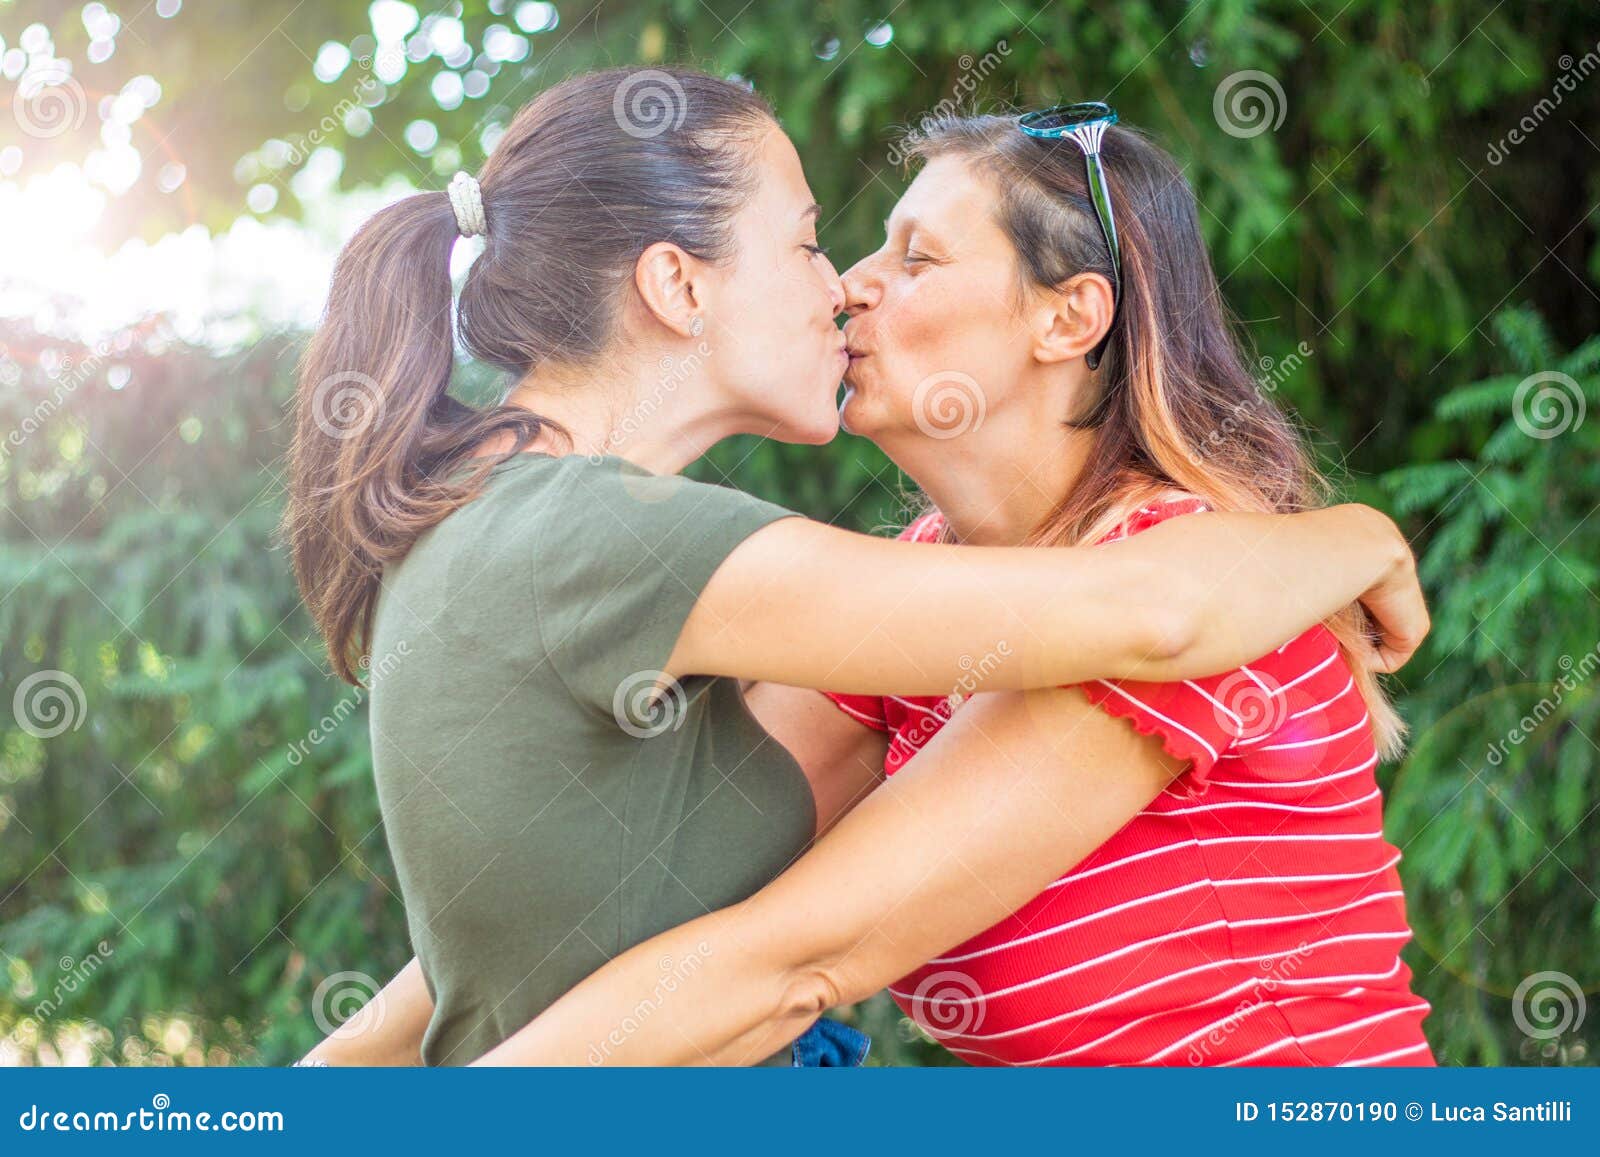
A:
1395	603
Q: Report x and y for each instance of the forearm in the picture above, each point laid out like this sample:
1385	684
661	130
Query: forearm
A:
388	1031
1015	790
812	606
1238	585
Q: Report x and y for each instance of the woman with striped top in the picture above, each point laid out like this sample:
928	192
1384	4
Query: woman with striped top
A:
1179	873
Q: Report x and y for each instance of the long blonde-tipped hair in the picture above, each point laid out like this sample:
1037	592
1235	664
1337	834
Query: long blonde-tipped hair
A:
1176	407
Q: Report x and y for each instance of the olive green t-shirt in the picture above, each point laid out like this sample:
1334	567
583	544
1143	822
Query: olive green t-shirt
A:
545	808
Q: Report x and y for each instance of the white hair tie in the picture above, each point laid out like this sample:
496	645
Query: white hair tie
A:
466	198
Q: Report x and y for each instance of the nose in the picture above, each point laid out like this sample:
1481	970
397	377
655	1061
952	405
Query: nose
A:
830	279
861	288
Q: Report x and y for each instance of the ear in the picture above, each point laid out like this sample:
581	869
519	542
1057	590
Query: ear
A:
1072	319
669	281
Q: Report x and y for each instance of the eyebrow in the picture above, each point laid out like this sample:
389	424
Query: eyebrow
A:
811	211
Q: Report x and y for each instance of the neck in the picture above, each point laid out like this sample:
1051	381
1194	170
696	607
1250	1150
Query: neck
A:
995	485
652	409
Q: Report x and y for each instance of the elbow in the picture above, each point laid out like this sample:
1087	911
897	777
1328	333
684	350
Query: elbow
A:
1163	613
1172	634
1399	560
810	990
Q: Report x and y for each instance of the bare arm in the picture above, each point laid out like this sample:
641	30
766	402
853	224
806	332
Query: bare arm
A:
809	605
388	1030
1014	791
842	758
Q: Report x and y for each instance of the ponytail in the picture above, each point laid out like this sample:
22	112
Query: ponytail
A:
379	443
576	189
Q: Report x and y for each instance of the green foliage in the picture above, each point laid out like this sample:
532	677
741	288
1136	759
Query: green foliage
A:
230	863
187	816
1494	806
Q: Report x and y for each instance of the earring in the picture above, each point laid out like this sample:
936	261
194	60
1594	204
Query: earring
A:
697	327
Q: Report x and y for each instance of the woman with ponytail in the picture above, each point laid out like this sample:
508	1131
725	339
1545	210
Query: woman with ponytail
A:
556	623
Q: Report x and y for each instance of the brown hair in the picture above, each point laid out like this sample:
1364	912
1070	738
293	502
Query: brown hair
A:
1177	407
588	175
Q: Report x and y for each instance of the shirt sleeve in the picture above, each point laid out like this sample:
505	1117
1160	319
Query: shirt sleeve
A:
869	710
1192	719
613	589
1196	720
864	709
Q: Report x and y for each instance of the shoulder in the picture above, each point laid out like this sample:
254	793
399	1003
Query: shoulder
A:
1172	504
608	498
928	528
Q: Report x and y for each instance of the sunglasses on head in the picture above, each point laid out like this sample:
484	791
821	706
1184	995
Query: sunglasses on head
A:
1085	124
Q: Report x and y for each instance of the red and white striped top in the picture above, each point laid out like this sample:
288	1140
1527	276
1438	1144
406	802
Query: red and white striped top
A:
1251	914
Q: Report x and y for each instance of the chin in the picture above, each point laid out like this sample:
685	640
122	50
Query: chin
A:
854	417
812	430
824	430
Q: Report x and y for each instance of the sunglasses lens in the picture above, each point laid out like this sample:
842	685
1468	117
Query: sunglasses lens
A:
1066	116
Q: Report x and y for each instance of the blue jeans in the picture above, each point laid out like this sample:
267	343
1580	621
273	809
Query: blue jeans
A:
831	1045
